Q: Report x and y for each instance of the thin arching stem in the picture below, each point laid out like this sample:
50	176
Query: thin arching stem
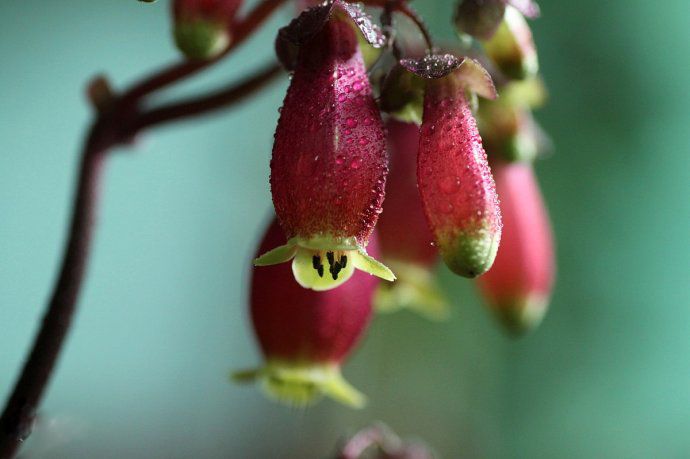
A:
122	119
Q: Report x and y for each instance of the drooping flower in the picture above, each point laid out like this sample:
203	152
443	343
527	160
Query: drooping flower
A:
455	182
203	27
512	47
519	284
404	235
305	335
329	163
508	129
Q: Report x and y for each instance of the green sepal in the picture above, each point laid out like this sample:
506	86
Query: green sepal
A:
364	262
302	385
308	277
278	255
415	290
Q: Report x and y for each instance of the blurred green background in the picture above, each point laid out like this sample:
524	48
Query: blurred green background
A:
163	318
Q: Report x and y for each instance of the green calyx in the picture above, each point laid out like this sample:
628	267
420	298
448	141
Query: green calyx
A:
302	385
415	290
520	314
470	253
322	263
199	39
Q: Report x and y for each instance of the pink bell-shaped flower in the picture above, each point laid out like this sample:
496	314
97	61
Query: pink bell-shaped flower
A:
455	182
329	163
305	335
404	235
519	284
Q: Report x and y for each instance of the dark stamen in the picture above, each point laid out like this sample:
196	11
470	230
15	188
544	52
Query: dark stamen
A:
330	257
343	261
335	270
316	264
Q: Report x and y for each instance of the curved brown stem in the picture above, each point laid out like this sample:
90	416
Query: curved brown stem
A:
211	102
116	126
18	416
242	30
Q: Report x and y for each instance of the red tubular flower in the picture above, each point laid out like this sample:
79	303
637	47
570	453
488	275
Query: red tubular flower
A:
455	181
329	163
305	335
202	27
404	235
519	284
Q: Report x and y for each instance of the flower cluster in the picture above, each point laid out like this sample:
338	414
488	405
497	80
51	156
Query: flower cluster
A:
371	114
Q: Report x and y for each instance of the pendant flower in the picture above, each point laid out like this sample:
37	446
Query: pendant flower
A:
305	335
404	235
455	182
329	163
519	285
512	47
203	27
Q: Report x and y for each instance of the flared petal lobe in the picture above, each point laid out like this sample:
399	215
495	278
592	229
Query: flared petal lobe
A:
455	182
519	284
404	235
329	162
304	335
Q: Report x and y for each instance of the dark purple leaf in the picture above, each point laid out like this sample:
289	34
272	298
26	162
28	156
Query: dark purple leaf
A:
371	31
299	31
432	66
476	78
307	24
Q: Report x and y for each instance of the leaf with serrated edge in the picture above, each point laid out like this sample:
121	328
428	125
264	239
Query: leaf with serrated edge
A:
476	78
371	31
432	66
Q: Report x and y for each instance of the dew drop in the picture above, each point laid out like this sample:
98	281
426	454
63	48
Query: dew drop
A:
340	159
356	162
350	122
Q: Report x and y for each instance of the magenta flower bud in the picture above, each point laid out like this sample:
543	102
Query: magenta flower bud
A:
455	181
519	284
305	335
404	235
203	27
329	163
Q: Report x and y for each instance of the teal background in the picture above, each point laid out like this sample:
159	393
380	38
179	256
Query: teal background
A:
162	317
